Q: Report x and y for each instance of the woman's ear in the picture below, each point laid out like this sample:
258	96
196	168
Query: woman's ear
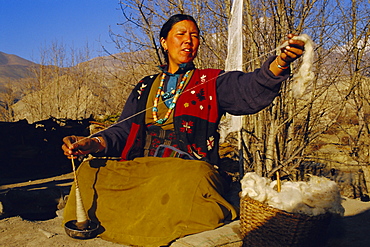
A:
163	43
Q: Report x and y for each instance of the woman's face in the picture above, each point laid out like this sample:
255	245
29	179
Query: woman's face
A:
182	44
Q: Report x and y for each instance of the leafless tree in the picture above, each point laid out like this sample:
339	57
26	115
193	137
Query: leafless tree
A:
63	87
8	95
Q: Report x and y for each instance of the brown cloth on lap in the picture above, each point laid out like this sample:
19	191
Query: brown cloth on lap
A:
150	201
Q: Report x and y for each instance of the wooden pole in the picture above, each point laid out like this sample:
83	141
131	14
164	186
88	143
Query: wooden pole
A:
278	181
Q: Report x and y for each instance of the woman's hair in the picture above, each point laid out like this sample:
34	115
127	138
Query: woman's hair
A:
168	26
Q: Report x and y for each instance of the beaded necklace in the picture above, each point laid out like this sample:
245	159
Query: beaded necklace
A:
175	97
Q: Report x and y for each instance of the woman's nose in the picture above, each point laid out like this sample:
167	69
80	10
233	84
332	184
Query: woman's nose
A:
188	38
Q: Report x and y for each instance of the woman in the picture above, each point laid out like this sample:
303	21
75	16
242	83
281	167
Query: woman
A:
165	185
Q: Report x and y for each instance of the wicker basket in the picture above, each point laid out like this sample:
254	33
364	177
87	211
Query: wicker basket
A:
262	225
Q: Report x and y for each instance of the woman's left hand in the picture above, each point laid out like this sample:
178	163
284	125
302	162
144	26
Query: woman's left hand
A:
292	51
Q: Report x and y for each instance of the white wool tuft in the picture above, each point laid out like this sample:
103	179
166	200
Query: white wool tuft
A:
304	75
317	196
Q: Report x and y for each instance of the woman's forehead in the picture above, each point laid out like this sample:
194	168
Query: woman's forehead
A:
184	25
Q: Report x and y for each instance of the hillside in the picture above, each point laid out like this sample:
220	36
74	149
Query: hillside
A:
13	68
98	86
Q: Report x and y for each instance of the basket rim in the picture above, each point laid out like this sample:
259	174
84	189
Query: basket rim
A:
280	211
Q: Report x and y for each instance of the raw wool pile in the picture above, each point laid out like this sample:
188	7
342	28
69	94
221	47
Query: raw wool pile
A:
317	196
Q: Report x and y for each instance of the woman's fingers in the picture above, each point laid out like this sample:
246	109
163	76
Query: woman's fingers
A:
293	50
72	146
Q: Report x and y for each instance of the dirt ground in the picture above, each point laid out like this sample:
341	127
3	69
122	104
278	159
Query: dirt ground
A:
15	231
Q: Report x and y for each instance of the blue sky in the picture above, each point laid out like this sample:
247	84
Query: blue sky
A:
26	26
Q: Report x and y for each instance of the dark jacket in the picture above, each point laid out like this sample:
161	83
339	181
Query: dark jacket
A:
208	95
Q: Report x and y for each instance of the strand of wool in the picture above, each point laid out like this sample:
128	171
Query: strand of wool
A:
317	196
304	76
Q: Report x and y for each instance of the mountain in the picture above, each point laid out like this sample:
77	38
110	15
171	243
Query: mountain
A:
13	68
9	59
